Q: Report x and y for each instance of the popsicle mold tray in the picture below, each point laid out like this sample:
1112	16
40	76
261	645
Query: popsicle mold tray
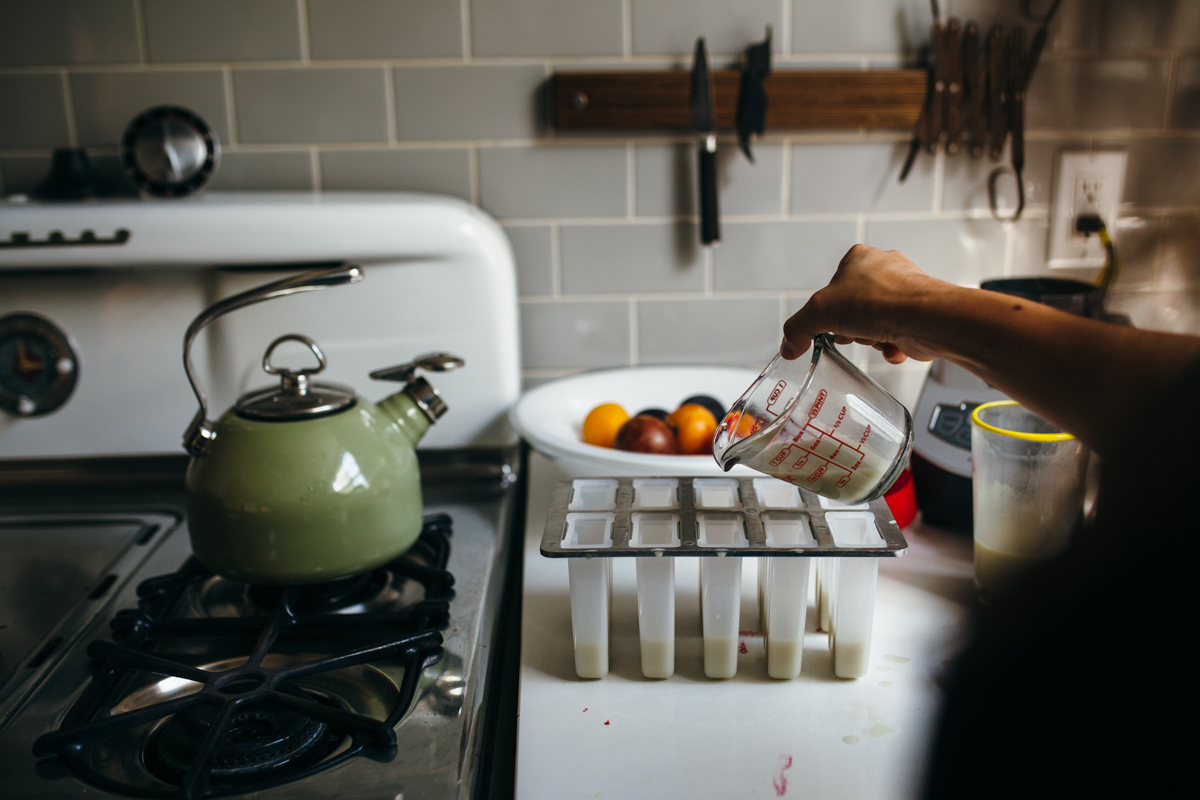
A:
722	520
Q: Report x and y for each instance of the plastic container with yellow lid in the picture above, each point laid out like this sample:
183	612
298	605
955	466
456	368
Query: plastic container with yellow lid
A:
1028	489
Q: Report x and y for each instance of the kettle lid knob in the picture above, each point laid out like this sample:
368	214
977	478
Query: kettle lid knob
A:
296	397
422	393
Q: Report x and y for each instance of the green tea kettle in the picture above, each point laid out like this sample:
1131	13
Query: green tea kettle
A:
306	482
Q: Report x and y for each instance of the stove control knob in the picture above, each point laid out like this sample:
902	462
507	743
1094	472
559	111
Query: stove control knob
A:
38	365
168	151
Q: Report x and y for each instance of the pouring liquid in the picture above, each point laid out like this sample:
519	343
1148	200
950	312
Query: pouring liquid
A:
834	450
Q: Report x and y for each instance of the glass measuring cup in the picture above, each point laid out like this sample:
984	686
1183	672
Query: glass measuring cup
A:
823	425
1028	490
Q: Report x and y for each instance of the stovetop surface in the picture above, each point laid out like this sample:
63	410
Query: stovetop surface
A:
437	742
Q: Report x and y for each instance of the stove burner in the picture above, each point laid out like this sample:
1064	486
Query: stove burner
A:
260	741
246	725
327	597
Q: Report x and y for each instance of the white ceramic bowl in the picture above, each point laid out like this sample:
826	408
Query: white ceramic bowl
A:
550	417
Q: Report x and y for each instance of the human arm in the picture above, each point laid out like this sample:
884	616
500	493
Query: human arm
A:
1086	376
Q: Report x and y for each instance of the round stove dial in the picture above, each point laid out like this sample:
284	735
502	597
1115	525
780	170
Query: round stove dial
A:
168	151
38	365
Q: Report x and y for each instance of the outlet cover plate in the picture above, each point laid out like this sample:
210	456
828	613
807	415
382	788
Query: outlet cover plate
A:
1088	182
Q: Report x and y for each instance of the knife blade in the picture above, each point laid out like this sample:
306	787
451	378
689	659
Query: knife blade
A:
702	123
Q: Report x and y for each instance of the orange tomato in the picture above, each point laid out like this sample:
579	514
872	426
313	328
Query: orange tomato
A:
694	428
602	423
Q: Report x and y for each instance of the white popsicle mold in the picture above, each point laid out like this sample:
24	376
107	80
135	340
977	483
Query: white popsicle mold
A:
598	494
610	516
656	591
655	493
785	602
720	591
853	610
591	591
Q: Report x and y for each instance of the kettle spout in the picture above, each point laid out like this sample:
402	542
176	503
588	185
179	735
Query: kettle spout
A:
402	409
418	405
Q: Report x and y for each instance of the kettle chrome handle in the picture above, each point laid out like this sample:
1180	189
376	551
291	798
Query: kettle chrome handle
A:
201	432
425	396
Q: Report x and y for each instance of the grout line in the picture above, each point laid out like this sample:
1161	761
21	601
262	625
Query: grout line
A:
555	260
627	29
665	61
939	175
230	106
389	103
785	22
302	18
473	172
610	297
1031	212
860	229
69	108
634	334
630	180
785	185
139	30
709	270
464	10
314	160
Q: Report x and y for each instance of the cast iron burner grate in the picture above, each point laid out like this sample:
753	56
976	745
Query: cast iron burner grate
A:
246	729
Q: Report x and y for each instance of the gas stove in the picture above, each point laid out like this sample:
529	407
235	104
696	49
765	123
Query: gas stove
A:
126	668
165	680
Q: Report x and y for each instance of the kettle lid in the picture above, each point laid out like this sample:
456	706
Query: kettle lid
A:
296	397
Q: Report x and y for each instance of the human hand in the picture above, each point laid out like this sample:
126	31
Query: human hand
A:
877	298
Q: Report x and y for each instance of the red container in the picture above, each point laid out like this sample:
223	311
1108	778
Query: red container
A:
902	500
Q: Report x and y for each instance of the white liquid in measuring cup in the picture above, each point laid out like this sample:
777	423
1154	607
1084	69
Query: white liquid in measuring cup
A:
836	449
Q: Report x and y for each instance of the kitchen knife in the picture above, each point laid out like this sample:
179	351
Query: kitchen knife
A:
702	123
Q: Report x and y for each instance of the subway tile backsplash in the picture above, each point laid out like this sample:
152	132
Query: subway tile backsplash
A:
450	97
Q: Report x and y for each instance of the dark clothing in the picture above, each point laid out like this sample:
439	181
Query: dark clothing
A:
1085	684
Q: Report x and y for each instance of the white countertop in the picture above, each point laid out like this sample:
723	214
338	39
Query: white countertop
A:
626	736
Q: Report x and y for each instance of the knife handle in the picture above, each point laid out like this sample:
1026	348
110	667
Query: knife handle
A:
710	225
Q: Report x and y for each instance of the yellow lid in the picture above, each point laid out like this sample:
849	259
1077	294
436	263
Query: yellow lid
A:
1029	437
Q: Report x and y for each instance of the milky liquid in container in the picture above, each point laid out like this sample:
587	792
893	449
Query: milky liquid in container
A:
821	424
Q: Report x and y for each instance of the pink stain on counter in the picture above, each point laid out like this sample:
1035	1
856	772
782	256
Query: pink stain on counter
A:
605	722
742	648
780	780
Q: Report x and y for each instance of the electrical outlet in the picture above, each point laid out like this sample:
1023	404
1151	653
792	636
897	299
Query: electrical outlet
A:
1088	183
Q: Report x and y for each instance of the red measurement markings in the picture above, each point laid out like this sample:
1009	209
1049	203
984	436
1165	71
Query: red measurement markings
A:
816	406
776	393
